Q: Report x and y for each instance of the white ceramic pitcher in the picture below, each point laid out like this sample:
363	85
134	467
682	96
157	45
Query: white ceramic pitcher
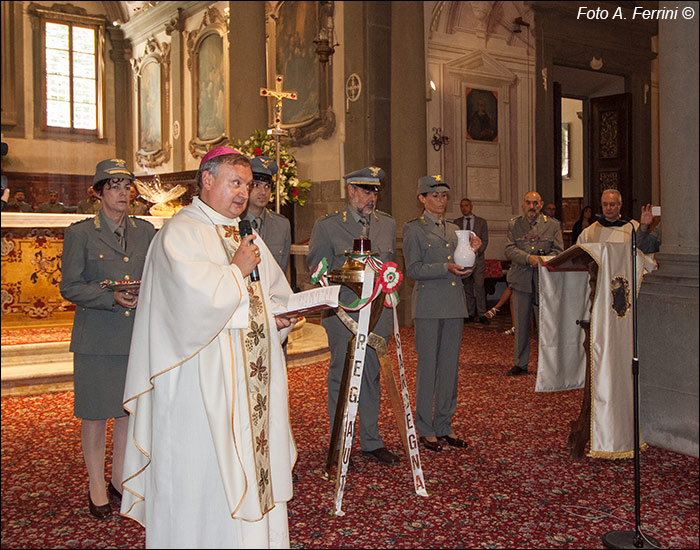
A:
465	256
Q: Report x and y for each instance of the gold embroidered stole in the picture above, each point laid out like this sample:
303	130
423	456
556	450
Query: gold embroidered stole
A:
256	356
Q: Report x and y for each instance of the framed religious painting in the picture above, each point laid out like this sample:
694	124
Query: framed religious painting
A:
482	115
152	71
299	46
207	49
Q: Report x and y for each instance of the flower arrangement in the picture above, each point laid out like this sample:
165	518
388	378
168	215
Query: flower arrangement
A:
292	189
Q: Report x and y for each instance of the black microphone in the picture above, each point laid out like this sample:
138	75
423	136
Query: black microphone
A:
245	229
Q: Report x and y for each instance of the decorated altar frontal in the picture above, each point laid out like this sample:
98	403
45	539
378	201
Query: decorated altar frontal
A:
36	320
32	245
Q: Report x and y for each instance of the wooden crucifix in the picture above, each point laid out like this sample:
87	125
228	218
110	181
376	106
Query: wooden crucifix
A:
279	94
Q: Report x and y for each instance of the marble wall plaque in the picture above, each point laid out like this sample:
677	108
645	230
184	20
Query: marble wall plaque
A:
483	184
482	154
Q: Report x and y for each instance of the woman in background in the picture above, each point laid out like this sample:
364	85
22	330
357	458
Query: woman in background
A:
584	220
110	245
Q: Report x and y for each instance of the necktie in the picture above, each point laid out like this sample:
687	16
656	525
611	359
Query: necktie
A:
257	222
441	226
119	232
365	227
469	223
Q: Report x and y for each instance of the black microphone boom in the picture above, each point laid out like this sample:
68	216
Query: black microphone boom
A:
245	229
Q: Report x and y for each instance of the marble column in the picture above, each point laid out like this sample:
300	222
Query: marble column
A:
668	299
247	63
120	53
174	28
408	121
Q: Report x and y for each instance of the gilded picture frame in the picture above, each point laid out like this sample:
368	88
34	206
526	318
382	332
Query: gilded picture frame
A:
152	73
292	29
208	63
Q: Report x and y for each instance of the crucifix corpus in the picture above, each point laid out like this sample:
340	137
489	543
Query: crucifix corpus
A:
276	130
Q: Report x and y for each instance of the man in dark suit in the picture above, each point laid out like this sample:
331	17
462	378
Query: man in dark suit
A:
474	282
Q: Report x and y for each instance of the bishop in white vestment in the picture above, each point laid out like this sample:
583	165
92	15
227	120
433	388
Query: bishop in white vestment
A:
210	451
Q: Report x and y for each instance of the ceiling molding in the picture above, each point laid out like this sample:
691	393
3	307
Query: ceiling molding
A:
155	19
116	11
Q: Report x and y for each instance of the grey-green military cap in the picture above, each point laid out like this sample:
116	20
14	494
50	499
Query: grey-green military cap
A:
431	184
263	168
369	178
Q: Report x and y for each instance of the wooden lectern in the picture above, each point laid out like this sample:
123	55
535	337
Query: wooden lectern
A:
586	340
577	259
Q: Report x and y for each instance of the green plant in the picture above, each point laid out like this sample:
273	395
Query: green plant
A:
292	189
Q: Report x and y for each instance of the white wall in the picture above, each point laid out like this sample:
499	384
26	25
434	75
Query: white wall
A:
573	187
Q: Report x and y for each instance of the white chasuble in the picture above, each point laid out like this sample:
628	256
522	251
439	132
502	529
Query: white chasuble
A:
192	468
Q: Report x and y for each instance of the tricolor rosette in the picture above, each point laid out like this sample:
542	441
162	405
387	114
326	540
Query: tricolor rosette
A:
390	280
320	273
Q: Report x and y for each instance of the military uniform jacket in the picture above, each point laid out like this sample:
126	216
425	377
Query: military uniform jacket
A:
437	294
277	233
542	239
48	208
91	254
333	236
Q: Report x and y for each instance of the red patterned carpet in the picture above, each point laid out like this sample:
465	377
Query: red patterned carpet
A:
514	487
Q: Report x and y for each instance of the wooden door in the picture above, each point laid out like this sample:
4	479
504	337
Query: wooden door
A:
611	157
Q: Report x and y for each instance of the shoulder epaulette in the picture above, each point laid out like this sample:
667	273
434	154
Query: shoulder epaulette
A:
82	221
275	214
330	214
383	213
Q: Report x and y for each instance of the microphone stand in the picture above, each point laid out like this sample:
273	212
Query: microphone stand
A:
627	538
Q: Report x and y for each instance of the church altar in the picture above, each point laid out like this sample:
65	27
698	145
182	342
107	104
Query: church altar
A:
32	245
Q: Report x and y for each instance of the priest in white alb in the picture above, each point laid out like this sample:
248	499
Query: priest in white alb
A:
210	451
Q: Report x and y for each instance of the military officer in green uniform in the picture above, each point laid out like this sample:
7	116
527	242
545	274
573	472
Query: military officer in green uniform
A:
529	236
439	307
52	206
110	245
332	236
274	228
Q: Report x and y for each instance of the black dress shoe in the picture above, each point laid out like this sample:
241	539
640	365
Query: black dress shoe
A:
114	492
432	445
516	371
454	441
101	512
469	319
382	455
484	320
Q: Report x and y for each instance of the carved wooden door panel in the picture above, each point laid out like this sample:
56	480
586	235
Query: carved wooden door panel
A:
611	157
